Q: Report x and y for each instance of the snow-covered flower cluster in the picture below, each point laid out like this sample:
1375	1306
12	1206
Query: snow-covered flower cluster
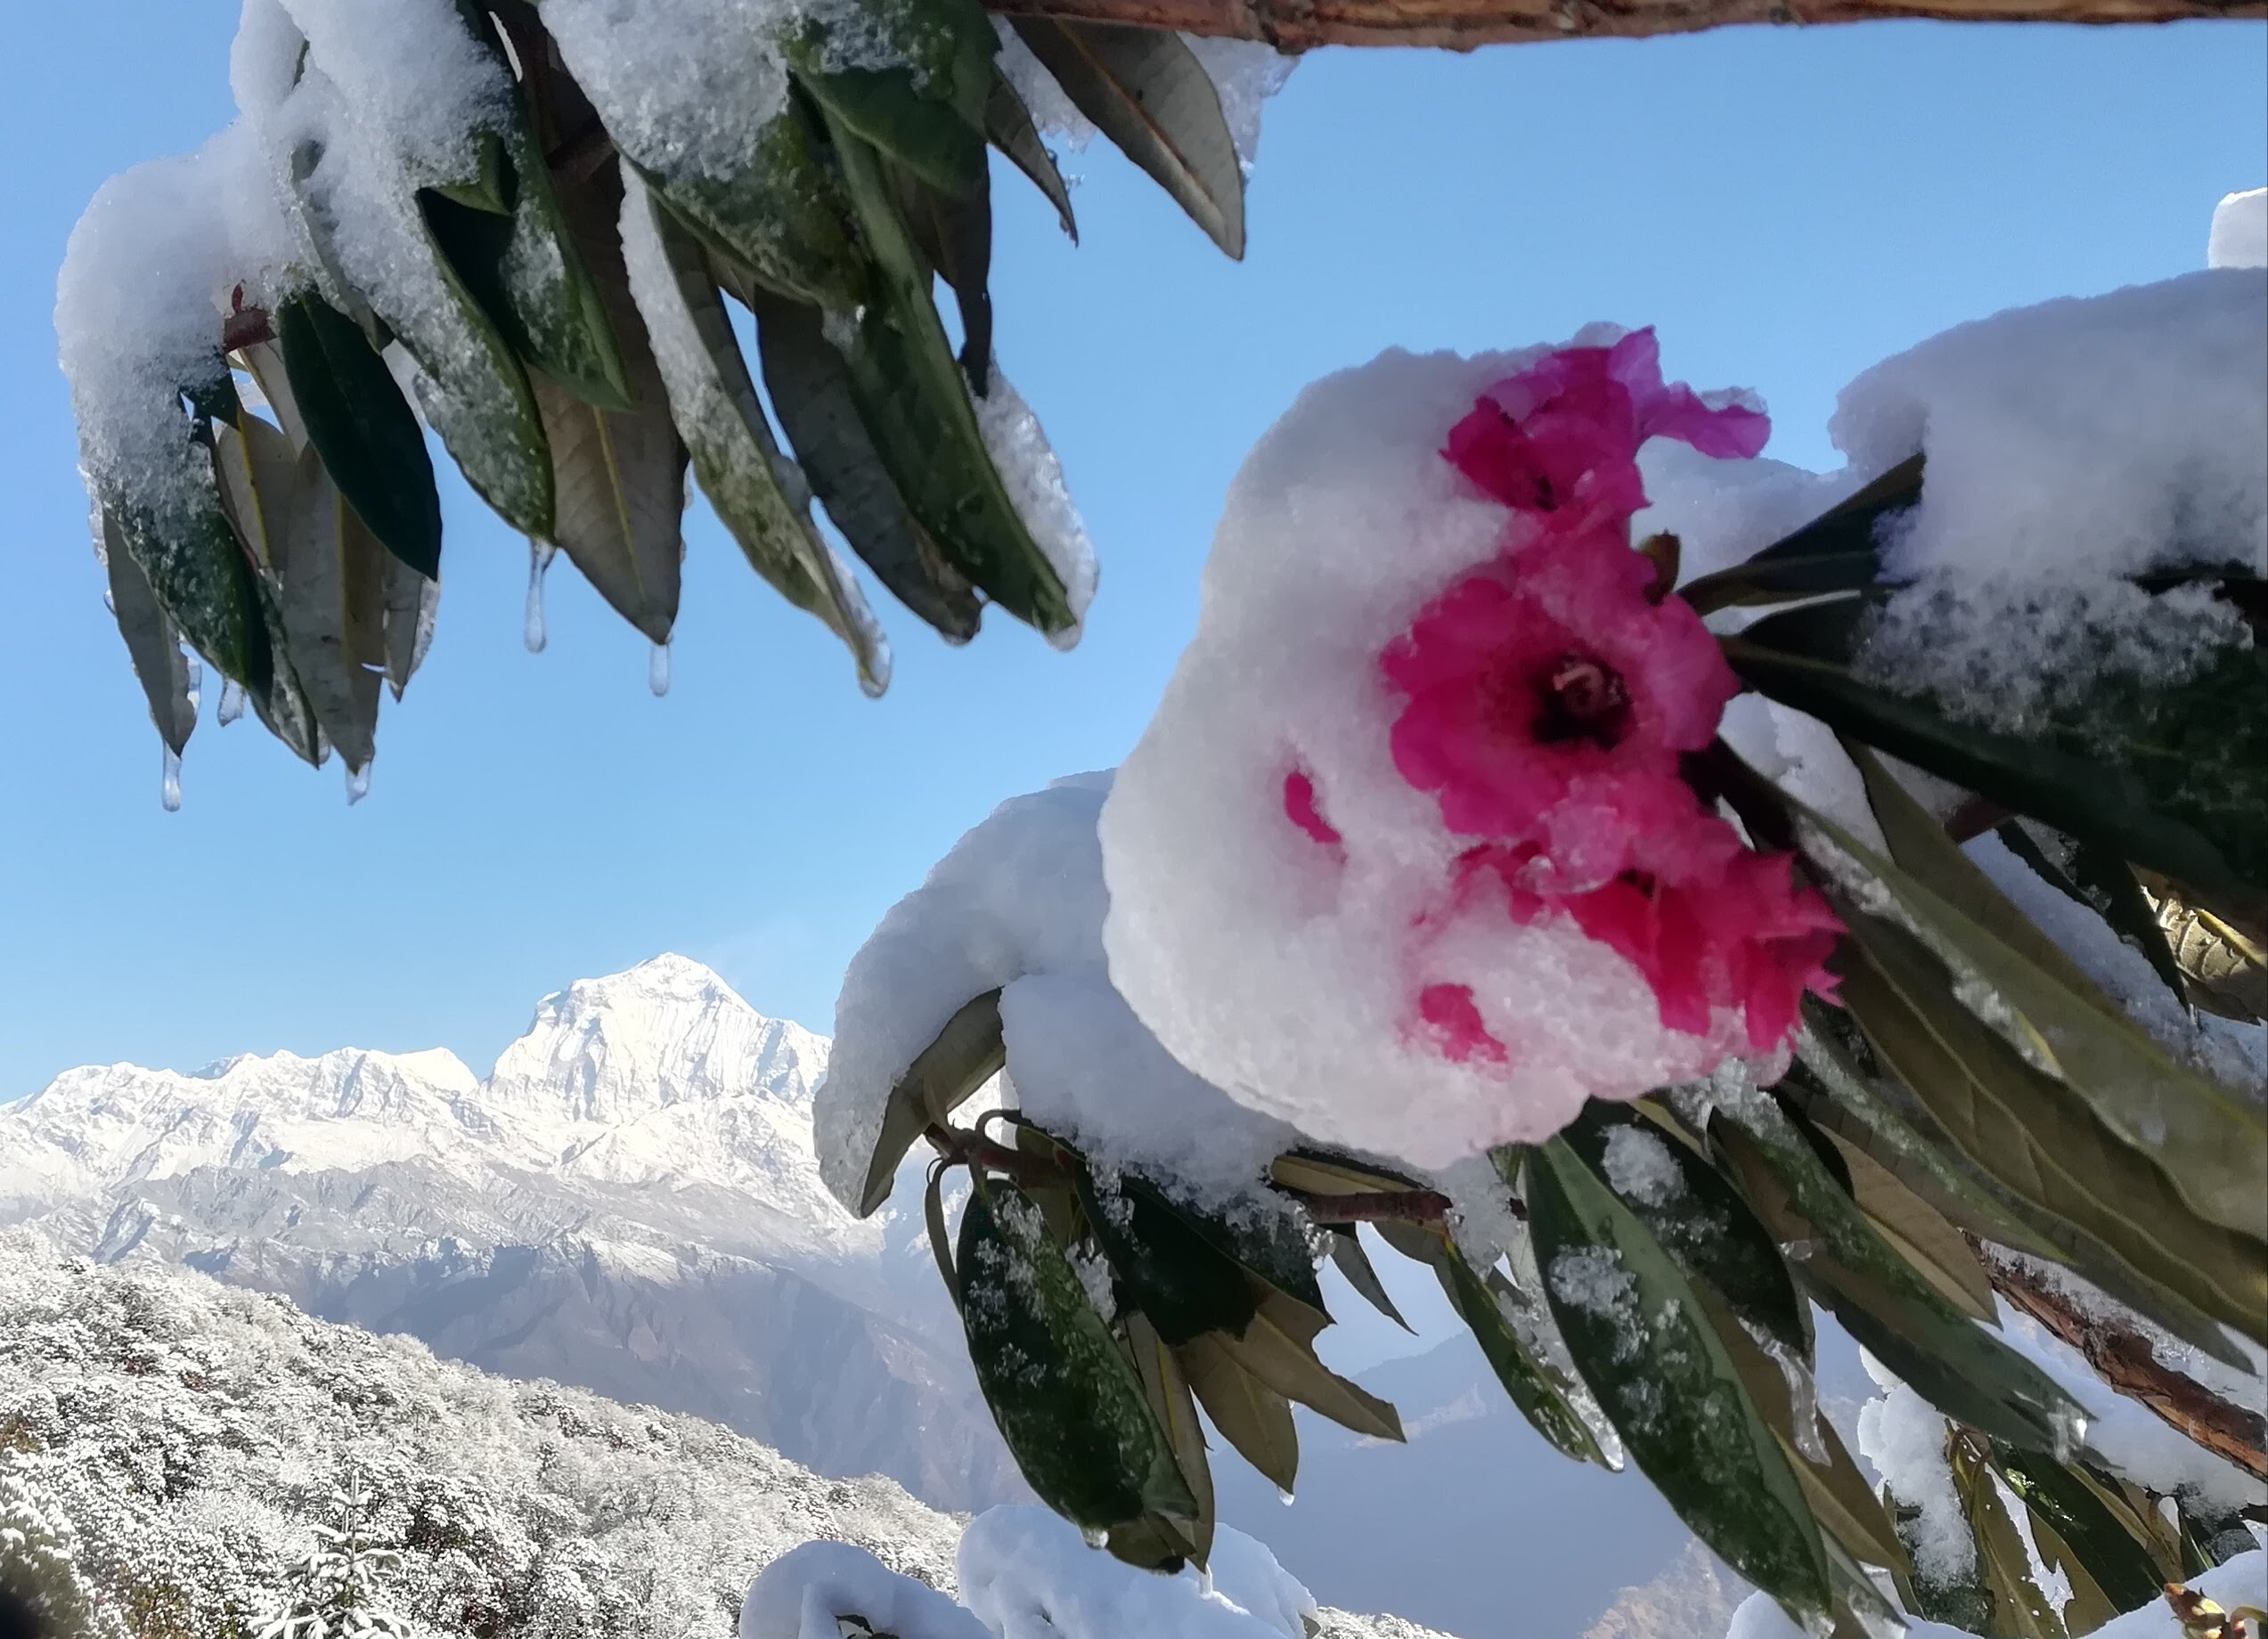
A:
1434	725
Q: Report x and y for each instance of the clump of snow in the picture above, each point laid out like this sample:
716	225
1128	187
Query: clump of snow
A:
1246	73
1280	968
2239	236
1904	1437
685	87
1640	1168
1053	115
411	73
1028	1575
1028	466
806	1592
1017	905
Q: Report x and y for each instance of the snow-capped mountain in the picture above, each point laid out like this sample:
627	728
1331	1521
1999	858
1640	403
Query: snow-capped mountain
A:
630	1202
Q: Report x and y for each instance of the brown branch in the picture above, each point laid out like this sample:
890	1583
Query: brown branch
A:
1298	25
1410	1206
2123	1357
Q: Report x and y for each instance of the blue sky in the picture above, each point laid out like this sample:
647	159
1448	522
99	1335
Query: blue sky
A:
1786	206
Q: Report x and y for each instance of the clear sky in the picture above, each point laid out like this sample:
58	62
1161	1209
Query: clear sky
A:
1786	206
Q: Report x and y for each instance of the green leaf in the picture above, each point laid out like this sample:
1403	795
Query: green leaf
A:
2029	1133
411	604
620	474
1161	1262
1636	1330
1145	90
926	110
1354	1265
712	400
193	564
1251	1417
783	218
1068	1405
954	238
1169	1540
1838	551
1534	1386
358	421
152	641
332	592
2170	777
2020	1609
1880	1299
2211	1141
2118	1564
1009	123
1921	1236
912	398
965	1055
810	390
2106	885
1697	1218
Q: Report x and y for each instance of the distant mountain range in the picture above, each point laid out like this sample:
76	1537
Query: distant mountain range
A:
630	1203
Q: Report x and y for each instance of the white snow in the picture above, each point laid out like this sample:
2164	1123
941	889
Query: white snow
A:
1283	970
1017	904
1245	74
1053	114
1028	1575
2239	236
686	87
806	1592
1640	1166
1028	466
1904	1437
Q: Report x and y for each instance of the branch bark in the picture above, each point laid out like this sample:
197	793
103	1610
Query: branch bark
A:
2123	1359
1300	25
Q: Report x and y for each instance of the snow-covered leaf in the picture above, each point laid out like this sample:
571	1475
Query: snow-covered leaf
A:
1636	1330
1066	1402
2172	775
152	641
713	403
2086	1527
810	388
914	82
620	474
2020	1609
1007	122
965	1055
1145	90
1160	1260
1839	551
914	401
1535	1388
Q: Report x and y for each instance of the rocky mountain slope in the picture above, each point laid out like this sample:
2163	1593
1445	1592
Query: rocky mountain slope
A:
628	1202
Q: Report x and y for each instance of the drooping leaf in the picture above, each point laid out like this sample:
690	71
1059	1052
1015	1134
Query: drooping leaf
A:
915	403
256	475
1315	1173
358	421
1145	90
1162	1263
152	641
2029	1133
1839	551
2085	1606
1067	1403
2021	1609
1889	1305
925	110
620	474
2106	885
331	589
2221	952
966	1054
1634	1328
2212	1142
758	495
1696	1217
1353	1263
783	217
1251	1417
1169	1540
954	238
411	602
1534	1386
810	385
1009	123
1921	1234
2168	776
1278	1348
2118	1563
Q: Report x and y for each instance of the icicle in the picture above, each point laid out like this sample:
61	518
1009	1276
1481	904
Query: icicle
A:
169	786
1284	1497
1205	1581
196	676
1094	1536
357	784
539	560
110	603
232	701
657	670
2070	1433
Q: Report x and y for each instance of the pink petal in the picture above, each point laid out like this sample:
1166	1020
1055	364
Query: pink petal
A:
1300	809
1448	1010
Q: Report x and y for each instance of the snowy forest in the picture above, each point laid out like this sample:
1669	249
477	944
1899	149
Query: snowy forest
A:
1695	913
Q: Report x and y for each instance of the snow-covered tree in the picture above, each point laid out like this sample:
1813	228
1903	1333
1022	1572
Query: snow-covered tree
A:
337	1588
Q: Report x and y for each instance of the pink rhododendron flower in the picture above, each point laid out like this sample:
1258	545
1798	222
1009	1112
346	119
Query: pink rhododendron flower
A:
1300	808
1562	436
1549	681
1454	1018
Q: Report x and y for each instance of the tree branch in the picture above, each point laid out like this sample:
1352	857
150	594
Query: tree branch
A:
1298	25
2123	1359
